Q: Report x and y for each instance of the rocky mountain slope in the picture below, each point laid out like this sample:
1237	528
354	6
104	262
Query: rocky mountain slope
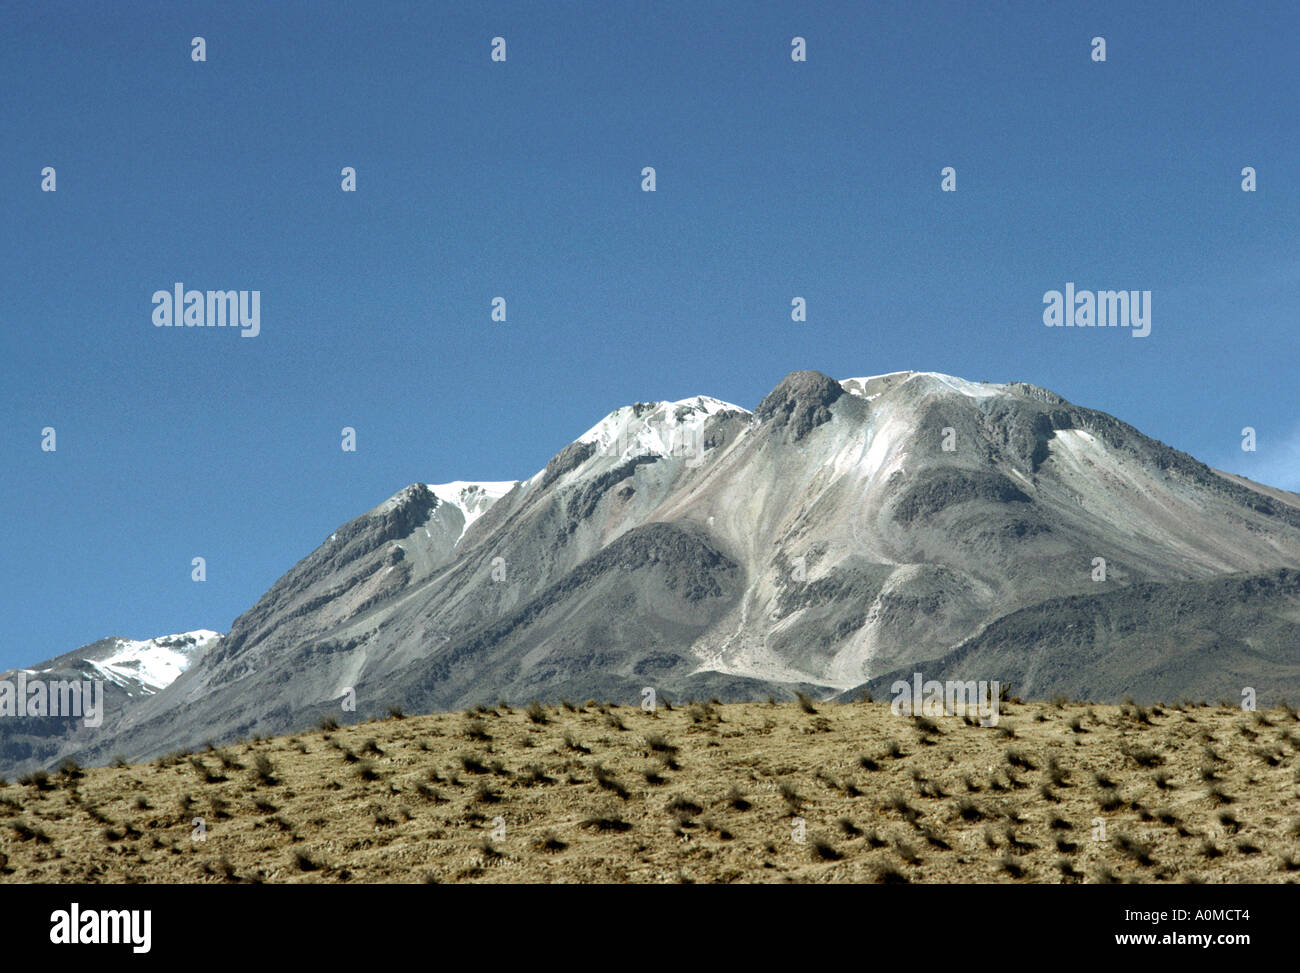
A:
128	670
840	532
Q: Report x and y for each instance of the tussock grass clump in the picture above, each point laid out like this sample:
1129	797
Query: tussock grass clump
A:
736	800
926	726
550	842
823	850
536	713
607	781
683	805
29	832
1010	865
535	774
1110	801
1139	851
1017	758
1219	796
572	744
1136	713
1144	757
1058	775
702	713
900	804
933	838
968	810
659	744
208	774
607	823
38	780
1014	842
486	795
1271	757
264	771
429	793
906	852
472	764
1209	850
793	799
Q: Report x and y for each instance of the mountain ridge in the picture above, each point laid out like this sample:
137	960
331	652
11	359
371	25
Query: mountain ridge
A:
841	531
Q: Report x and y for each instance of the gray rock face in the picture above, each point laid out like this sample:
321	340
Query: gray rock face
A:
843	532
800	403
1191	640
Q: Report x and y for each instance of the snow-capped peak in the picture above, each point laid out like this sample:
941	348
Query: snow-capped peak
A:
153	664
655	428
871	386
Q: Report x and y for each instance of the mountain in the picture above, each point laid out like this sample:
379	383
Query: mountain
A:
1206	639
839	533
129	671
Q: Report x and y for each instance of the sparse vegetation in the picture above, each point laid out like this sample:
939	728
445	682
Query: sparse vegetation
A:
1188	795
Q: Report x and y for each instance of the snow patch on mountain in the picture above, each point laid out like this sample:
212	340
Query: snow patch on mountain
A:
153	664
472	499
654	428
872	386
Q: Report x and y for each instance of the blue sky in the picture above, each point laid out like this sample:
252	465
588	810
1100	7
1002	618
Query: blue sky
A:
522	179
